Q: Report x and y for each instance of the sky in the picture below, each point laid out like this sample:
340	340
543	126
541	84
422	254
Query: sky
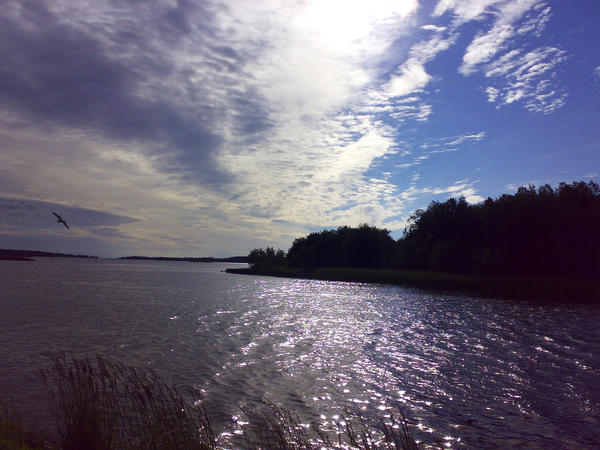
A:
209	128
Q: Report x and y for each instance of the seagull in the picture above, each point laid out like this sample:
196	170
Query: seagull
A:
61	220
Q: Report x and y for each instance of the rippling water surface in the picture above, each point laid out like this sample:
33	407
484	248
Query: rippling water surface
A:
467	372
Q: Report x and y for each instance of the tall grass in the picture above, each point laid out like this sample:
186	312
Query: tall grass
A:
12	433
272	428
99	404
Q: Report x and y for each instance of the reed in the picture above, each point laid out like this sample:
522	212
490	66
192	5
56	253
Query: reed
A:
271	428
99	404
13	435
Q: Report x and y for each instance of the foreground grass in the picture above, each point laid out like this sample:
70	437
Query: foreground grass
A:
13	435
98	404
544	289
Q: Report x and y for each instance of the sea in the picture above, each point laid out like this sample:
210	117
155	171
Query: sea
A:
466	372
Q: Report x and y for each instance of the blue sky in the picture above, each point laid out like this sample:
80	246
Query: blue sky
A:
184	128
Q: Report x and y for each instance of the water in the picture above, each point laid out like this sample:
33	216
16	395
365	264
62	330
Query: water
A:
467	372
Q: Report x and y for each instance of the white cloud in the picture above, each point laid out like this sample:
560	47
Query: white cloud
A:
483	47
303	108
513	95
464	10
412	78
425	51
311	166
524	80
527	77
486	45
431	27
492	93
286	89
461	188
597	71
475	137
536	23
321	185
521	76
439	146
471	196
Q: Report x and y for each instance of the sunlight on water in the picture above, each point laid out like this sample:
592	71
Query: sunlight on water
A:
466	372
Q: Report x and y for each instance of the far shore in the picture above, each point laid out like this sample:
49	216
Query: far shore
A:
15	258
510	287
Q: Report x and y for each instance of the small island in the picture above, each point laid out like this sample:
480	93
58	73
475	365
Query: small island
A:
538	244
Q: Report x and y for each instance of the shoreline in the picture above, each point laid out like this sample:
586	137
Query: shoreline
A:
15	258
576	291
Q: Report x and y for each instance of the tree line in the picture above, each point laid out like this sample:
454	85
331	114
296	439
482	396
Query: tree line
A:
534	232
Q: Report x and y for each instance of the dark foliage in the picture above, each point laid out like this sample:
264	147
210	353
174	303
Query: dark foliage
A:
536	232
268	257
362	247
541	232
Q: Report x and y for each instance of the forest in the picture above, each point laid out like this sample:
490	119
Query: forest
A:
545	231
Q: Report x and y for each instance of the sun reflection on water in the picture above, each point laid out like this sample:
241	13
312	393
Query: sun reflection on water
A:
329	351
466	372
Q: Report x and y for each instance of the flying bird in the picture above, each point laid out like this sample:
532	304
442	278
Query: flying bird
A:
61	220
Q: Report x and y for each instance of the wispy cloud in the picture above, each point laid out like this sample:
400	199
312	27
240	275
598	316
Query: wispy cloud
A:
464	10
525	76
528	77
487	45
412	77
473	137
433	147
431	27
217	126
218	114
492	93
462	188
403	97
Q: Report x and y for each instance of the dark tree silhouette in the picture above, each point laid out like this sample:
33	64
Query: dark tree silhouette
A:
534	232
268	257
365	246
542	231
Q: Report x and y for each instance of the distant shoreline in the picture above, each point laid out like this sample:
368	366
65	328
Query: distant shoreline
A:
15	258
510	287
204	259
27	255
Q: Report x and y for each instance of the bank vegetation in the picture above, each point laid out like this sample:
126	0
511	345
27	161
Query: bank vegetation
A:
536	243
